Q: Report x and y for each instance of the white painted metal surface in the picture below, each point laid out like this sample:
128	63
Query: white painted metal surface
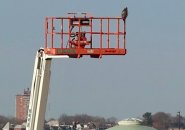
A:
39	90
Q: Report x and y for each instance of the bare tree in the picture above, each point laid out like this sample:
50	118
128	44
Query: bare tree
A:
12	120
112	121
161	120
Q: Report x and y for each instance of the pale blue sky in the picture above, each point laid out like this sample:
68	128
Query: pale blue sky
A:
151	77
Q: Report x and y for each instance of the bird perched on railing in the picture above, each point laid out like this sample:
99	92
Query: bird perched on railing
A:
124	13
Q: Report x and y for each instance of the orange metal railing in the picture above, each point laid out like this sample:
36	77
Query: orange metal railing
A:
78	36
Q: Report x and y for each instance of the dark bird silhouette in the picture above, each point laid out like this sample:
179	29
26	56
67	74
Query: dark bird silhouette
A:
124	13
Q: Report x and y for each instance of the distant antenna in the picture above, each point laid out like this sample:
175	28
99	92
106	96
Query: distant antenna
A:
85	14
74	14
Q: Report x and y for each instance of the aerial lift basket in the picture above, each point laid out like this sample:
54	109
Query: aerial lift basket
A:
77	36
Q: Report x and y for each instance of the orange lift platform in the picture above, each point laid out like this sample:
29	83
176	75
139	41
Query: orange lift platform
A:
76	36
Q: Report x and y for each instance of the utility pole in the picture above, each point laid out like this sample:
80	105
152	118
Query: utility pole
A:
179	121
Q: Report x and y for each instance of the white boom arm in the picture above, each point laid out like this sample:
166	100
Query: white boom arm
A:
39	90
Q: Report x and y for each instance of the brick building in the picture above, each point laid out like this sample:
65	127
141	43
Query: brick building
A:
22	103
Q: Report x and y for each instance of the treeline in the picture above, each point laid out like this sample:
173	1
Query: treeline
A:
4	120
159	120
163	121
94	121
